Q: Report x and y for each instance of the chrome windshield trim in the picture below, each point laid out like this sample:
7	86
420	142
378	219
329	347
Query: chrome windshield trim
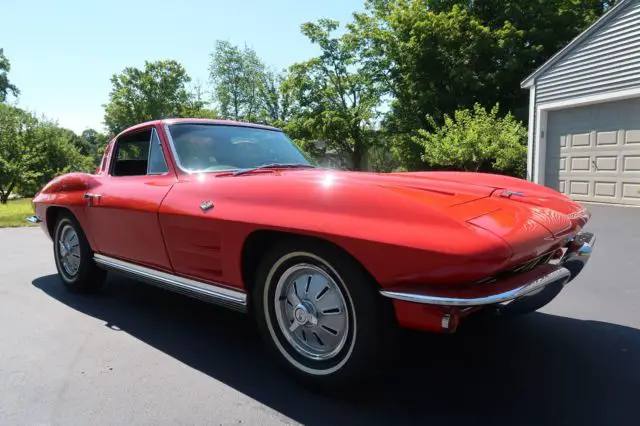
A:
213	293
559	274
176	158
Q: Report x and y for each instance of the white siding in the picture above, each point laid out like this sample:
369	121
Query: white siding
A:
608	60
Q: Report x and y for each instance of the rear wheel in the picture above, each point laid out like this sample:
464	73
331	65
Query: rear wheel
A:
74	257
320	313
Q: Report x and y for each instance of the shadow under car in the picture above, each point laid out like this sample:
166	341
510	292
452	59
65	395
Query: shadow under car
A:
538	369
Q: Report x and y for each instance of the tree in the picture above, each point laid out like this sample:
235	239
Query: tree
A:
476	140
436	56
276	98
158	91
237	79
5	86
196	107
58	155
33	151
19	153
335	100
96	143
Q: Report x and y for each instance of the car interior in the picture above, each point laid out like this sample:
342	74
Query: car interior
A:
133	156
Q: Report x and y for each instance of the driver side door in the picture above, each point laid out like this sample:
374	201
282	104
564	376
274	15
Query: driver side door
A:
123	210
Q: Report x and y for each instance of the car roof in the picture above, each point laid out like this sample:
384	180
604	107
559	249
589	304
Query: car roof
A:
199	121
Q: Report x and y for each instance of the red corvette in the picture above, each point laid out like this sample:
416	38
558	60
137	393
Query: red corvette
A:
328	262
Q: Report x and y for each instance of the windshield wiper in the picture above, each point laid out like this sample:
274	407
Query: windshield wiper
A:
275	166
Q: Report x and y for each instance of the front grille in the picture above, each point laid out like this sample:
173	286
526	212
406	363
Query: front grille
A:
520	268
531	264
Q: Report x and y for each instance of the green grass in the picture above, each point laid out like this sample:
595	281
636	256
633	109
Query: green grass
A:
13	213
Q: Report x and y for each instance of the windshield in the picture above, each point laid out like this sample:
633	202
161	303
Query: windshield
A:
214	147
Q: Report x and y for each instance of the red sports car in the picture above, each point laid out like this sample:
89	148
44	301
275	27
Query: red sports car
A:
328	262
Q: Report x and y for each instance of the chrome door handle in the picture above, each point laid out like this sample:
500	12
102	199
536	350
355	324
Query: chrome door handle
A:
90	197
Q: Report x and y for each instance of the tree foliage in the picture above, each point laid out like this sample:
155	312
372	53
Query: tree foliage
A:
19	154
197	106
277	99
436	56
237	76
157	91
34	151
335	100
476	140
5	86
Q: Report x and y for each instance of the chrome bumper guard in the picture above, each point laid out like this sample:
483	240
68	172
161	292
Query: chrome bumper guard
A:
553	276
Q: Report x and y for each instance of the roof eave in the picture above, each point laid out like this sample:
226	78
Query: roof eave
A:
528	83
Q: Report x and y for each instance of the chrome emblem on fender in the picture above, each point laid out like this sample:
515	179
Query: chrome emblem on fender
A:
206	205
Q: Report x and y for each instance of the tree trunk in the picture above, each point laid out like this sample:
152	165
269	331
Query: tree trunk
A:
356	160
4	195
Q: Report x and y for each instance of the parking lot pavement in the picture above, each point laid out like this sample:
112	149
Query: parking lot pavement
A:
139	355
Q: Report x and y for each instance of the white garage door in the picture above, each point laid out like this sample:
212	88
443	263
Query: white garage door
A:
593	152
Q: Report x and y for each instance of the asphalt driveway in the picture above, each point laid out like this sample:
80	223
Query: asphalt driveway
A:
140	355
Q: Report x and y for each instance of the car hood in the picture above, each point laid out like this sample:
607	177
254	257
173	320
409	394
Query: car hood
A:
510	208
473	193
433	191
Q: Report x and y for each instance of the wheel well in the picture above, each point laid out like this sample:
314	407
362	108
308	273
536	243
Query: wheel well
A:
51	216
258	242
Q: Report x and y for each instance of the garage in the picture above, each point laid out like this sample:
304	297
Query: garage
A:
584	113
593	152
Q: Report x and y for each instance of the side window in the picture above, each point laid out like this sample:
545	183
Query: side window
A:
139	154
157	165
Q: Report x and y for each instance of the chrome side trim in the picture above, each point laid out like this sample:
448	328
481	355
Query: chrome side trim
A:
33	219
211	293
559	274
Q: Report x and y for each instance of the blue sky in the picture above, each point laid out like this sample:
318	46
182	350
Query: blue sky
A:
63	53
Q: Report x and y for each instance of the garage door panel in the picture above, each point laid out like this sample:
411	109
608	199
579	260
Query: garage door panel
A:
632	137
562	164
580	164
593	152
581	140
631	191
604	189
607	138
632	163
579	187
606	163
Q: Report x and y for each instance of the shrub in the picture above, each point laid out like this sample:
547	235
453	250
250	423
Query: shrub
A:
476	140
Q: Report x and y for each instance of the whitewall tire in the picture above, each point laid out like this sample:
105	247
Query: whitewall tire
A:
319	312
73	256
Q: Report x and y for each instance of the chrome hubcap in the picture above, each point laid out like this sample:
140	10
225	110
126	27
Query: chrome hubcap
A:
69	250
311	312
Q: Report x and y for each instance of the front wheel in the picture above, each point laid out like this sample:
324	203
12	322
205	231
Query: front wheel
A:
74	257
320	313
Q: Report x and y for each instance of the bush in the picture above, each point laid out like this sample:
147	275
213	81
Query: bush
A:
476	140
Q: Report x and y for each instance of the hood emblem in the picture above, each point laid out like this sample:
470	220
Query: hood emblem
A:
509	194
206	205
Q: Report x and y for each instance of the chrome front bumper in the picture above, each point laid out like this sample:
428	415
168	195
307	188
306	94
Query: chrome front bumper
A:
552	276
